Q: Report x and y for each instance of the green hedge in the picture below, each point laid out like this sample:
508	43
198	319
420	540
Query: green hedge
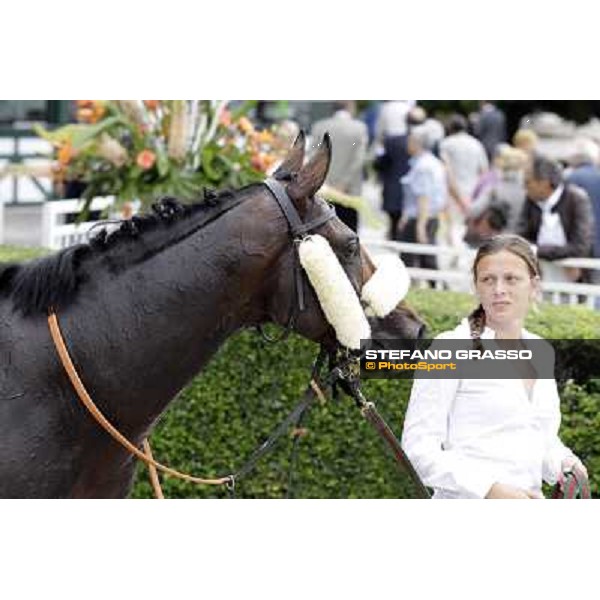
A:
18	253
250	386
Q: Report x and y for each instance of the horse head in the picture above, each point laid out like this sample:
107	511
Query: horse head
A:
302	183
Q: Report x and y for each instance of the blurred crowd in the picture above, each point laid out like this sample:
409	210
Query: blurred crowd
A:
459	180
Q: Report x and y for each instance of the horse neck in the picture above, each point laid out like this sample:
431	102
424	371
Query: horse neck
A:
162	320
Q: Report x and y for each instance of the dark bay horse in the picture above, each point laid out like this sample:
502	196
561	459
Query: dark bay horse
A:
143	309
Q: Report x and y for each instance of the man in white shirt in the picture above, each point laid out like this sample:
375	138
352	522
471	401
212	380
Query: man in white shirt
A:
466	161
392	119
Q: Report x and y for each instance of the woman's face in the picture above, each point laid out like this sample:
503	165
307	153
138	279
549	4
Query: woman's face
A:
505	287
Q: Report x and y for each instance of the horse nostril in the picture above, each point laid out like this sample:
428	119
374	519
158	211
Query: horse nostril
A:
422	331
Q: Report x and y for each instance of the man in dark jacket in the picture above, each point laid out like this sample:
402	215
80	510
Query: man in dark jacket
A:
557	217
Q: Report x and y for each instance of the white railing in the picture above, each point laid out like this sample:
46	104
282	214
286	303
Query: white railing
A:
1	222
459	277
20	149
57	233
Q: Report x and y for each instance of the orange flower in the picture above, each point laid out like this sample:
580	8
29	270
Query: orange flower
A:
256	162
269	161
65	154
85	115
146	159
265	163
245	125
262	161
151	104
225	118
99	111
265	137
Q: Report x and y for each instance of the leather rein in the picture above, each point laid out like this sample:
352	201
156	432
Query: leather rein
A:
297	229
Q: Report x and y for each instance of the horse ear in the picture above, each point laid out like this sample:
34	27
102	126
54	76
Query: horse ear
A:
293	161
312	176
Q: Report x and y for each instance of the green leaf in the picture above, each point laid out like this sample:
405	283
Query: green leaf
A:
78	134
243	109
84	134
162	162
212	173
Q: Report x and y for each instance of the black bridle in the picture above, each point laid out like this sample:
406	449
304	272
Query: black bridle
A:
298	230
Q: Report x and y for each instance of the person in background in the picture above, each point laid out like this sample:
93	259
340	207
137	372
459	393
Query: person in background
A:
490	127
418	116
508	189
369	117
491	176
425	192
484	225
556	217
490	438
349	140
527	141
391	158
586	174
466	161
391	121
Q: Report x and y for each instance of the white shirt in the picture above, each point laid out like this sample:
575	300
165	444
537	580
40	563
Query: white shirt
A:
392	119
551	231
466	157
464	435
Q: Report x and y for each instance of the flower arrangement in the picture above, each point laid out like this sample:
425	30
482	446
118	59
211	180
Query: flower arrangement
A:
145	149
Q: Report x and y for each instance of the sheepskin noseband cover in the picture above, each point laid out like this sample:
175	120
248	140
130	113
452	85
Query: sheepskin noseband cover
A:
336	295
387	286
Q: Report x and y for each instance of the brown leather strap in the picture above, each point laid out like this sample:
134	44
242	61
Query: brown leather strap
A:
371	414
103	421
154	480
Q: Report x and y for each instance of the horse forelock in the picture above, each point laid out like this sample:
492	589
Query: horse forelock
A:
53	281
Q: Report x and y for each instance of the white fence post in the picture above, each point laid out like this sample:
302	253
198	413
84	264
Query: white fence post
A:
57	233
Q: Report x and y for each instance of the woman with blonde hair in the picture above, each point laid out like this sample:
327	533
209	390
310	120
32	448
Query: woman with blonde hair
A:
490	438
526	140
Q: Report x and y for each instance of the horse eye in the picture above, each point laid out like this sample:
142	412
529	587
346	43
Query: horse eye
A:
352	247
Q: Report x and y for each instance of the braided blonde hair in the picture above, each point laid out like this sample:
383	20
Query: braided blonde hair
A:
511	243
